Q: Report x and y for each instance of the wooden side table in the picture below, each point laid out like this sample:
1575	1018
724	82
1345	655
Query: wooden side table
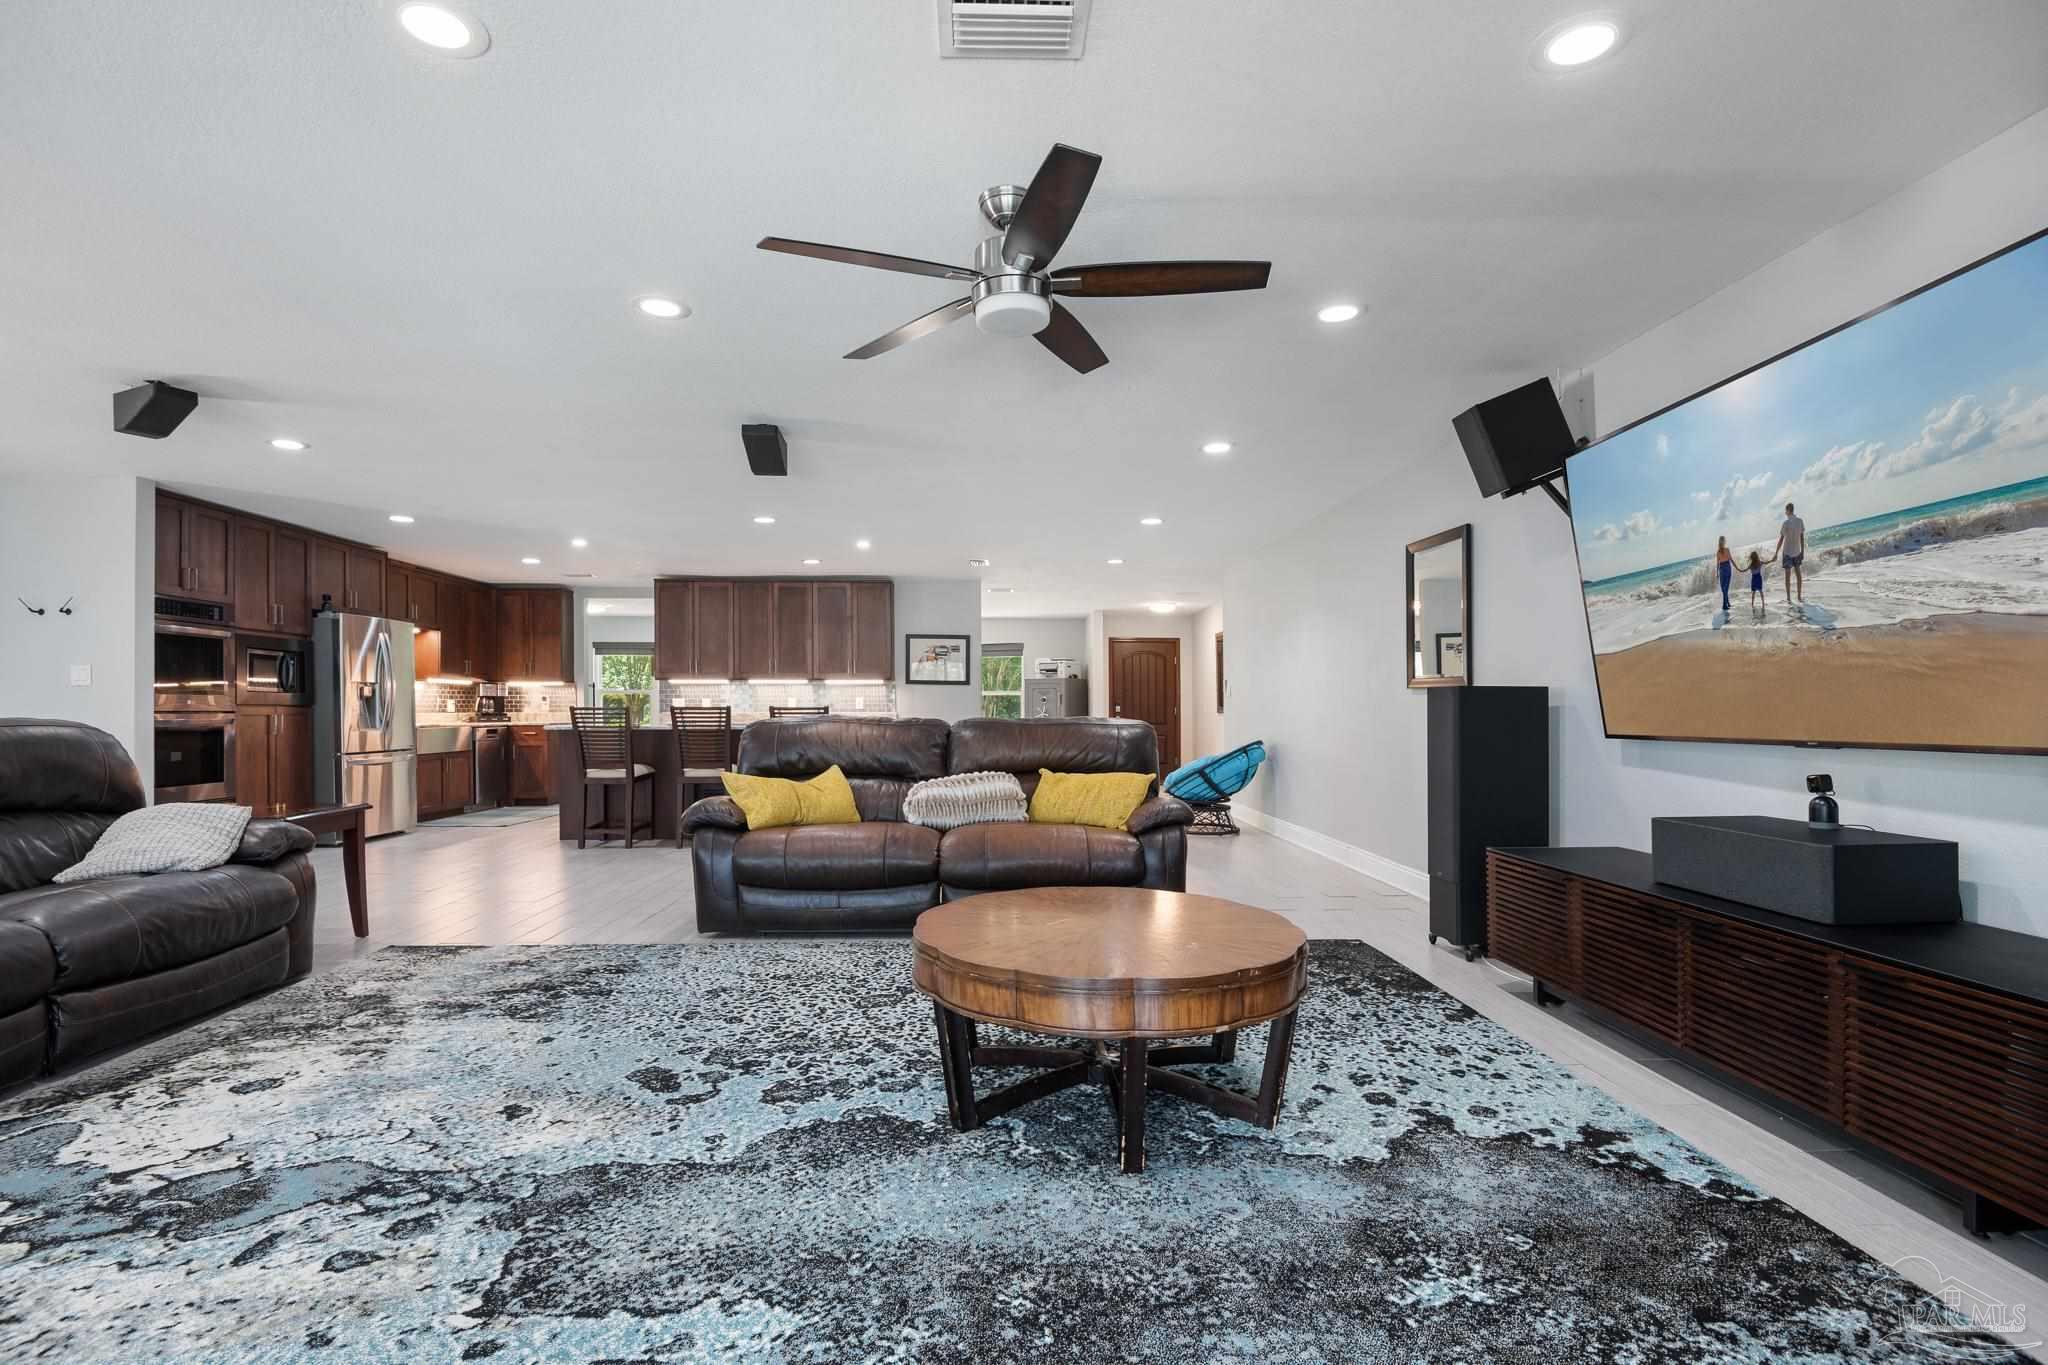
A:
347	821
1109	964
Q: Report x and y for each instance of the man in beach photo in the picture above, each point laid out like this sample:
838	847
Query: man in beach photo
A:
1792	551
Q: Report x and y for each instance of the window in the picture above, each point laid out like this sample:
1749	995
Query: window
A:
1002	680
625	678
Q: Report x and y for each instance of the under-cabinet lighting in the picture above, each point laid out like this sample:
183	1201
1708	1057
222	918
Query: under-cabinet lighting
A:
777	682
854	682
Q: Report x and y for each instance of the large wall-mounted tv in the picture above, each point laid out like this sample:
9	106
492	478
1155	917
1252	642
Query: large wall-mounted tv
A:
1890	481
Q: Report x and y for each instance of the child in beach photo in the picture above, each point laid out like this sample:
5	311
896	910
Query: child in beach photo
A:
1757	606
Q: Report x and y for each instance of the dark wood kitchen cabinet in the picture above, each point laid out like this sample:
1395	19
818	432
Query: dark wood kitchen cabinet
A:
532	778
753	628
536	635
480	634
832	630
274	759
327	579
793	631
193	550
269	578
365	580
398	591
693	628
447	784
874	631
351	576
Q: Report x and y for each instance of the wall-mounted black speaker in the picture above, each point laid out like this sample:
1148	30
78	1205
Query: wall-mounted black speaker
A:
153	409
767	452
1515	439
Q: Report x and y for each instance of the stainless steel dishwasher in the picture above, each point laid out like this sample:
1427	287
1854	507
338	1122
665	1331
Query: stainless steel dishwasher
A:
493	746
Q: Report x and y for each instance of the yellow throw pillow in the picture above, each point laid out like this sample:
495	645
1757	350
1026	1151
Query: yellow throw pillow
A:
768	802
1102	799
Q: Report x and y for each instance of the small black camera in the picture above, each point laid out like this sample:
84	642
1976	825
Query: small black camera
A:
1822	812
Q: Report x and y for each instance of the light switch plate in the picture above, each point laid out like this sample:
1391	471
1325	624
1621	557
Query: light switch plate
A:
81	675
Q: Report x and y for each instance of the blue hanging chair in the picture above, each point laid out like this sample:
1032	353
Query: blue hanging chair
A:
1207	784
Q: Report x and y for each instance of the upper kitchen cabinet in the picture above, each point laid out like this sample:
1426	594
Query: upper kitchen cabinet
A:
693	628
770	628
327	578
479	633
269	575
192	550
363	586
536	635
398	591
874	631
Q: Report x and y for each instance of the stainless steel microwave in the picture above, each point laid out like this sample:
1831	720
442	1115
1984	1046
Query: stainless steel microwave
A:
274	672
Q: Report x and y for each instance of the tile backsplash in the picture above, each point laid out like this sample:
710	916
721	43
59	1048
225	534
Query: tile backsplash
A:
443	702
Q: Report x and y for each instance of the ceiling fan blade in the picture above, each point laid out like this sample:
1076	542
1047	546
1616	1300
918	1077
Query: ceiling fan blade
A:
1066	338
1135	279
878	260
1052	201
915	328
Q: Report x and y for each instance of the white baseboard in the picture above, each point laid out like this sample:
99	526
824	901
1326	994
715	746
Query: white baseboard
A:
1402	877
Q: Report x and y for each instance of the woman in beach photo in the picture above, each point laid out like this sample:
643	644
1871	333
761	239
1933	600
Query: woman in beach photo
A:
1724	565
1757	607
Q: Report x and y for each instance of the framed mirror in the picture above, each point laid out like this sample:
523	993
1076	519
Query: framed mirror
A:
1438	609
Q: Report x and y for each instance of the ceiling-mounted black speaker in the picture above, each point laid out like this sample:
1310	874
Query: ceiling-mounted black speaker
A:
1516	439
153	409
767	452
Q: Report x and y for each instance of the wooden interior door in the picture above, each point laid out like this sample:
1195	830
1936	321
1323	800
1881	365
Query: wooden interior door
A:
1144	684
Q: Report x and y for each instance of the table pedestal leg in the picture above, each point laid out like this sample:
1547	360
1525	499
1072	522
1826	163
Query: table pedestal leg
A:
956	1060
352	877
1130	1105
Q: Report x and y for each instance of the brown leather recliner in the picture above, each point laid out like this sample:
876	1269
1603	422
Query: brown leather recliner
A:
879	875
91	965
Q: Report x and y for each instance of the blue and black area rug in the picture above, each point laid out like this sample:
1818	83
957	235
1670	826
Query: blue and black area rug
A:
738	1152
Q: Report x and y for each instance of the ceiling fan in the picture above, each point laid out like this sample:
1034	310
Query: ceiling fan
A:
1011	285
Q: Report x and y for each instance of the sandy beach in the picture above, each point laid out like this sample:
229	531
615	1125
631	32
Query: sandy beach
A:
1961	680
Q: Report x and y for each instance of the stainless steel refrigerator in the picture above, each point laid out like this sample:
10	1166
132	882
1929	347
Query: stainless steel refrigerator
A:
363	742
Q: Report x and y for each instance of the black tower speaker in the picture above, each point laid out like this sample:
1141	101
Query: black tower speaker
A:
767	452
1489	787
1515	439
153	409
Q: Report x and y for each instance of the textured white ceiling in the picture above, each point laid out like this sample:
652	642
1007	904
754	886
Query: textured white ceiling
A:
426	267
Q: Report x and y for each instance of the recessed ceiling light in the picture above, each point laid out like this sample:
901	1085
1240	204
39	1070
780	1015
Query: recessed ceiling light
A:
529	560
813	561
579	543
1163	608
1338	312
764	521
977	563
444	29
401	518
1151	521
863	545
1116	561
1216	448
1579	43
286	443
657	307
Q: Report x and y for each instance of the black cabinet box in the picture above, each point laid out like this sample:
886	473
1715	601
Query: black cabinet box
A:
1830	876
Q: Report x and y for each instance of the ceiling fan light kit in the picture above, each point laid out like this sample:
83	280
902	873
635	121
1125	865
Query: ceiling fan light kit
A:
1011	285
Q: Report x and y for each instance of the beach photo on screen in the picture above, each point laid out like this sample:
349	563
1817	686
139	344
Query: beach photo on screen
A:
1848	545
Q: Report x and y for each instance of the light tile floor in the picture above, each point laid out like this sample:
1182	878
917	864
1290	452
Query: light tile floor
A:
521	885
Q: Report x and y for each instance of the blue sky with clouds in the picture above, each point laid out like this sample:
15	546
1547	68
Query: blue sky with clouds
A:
1942	395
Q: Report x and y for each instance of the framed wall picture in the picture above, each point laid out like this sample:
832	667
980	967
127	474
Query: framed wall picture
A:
940	659
1450	656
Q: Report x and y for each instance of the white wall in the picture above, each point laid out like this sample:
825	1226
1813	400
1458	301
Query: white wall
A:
939	606
1205	725
92	540
1317	637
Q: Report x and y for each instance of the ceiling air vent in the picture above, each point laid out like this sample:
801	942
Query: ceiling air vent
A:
1013	28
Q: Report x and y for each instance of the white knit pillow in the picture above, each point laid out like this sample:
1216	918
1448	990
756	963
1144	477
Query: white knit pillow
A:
965	799
182	836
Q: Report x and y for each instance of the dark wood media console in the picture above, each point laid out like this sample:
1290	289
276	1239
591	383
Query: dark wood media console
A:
1927	1042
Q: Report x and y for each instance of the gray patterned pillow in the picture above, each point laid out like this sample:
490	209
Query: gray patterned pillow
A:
965	799
182	836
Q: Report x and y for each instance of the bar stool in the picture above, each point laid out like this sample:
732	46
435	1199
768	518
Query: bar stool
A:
703	751
604	740
778	712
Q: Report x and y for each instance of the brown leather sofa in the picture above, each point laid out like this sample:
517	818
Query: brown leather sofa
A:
879	875
92	965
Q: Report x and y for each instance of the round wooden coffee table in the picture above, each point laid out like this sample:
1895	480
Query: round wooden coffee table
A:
1102	964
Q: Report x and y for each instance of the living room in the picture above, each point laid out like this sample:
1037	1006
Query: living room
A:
1651	964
